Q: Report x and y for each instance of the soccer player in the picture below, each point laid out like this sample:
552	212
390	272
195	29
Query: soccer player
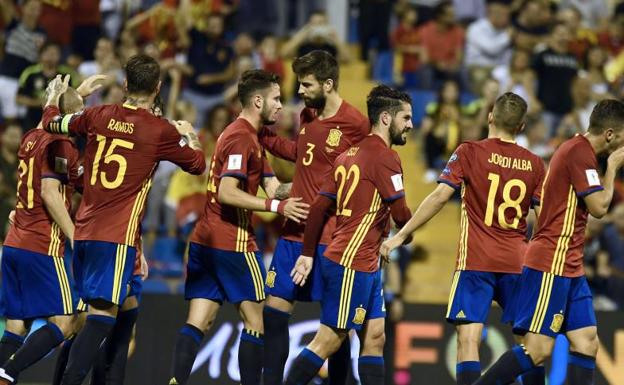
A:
36	282
499	181
329	126
224	263
366	185
124	144
552	294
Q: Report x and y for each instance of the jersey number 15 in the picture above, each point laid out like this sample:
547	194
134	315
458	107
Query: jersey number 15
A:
108	158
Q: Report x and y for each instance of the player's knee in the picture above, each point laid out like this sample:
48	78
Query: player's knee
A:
539	353
468	341
374	343
587	344
326	344
66	325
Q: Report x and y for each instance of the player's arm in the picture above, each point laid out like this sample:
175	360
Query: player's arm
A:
232	195
313	231
275	189
277	145
428	208
182	147
598	201
54	202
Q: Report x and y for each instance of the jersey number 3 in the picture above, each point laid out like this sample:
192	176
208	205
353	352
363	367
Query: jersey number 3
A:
108	158
341	175
508	201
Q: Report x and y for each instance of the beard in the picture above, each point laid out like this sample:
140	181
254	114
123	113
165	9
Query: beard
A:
396	135
265	115
317	102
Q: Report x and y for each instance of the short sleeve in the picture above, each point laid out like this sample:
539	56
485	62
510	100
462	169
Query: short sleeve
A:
453	174
60	161
388	178
267	170
583	171
235	155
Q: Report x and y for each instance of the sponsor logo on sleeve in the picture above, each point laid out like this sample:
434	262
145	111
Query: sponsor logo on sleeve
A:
235	162
397	182
592	177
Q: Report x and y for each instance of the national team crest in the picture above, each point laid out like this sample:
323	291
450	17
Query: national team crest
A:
333	139
360	315
557	321
270	279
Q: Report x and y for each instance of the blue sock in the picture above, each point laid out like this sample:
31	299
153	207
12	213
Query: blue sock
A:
581	369
9	344
276	341
371	370
467	372
510	365
536	376
250	354
304	368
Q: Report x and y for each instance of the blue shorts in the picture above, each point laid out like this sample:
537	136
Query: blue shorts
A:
136	287
103	270
221	275
279	282
350	297
549	304
36	285
472	293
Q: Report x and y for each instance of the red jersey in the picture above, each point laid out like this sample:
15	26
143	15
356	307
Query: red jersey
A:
407	35
317	146
41	155
499	181
124	146
237	154
557	246
365	180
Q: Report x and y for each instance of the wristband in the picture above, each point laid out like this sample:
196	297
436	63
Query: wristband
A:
273	205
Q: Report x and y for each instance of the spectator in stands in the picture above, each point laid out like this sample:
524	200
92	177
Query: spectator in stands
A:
22	41
443	40
488	43
555	68
373	26
157	26
612	39
577	120
531	25
476	112
406	40
9	144
582	37
518	77
114	94
612	241
441	129
595	13
269	57
535	138
316	34
595	61
213	61
467	11
34	80
86	30
105	62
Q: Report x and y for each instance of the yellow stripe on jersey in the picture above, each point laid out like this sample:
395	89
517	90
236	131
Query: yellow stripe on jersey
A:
360	233
543	186
345	297
137	208
563	241
542	302
61	274
463	237
452	294
120	262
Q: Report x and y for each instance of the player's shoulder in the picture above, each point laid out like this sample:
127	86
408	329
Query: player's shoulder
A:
573	148
349	116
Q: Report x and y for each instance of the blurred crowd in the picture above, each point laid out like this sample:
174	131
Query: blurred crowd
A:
453	57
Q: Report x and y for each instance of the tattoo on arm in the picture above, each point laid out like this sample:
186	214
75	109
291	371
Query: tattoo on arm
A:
193	140
283	191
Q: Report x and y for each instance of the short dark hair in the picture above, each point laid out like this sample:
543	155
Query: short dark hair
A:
608	113
49	44
319	63
509	112
383	98
142	74
70	101
253	81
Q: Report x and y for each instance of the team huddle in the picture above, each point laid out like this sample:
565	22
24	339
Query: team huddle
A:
348	183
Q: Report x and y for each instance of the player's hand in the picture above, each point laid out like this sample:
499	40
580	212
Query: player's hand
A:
144	267
389	245
616	159
302	269
57	87
183	127
295	210
91	84
12	217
